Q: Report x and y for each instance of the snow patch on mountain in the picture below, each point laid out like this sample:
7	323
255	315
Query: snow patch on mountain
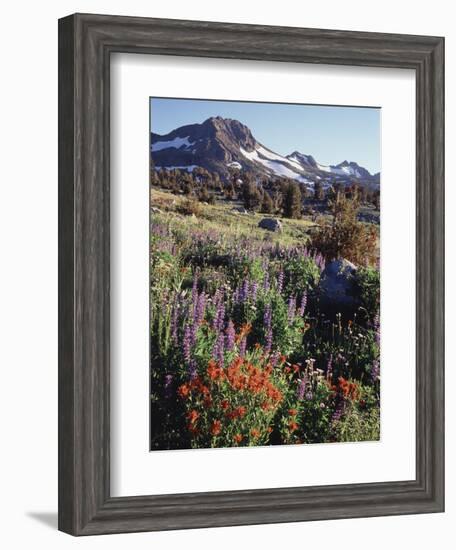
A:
341	170
295	163
276	167
176	143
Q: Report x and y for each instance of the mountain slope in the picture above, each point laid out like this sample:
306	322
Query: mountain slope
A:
220	144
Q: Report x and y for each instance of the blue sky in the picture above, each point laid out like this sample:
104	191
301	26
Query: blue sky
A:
330	133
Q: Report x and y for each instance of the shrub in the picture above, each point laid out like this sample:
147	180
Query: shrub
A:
189	207
344	236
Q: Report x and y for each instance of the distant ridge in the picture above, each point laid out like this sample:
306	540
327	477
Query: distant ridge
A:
223	144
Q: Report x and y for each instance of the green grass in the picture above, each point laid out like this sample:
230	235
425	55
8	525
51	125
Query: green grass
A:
222	217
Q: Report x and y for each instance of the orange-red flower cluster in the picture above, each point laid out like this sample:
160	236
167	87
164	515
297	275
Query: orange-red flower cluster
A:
238	412
242	375
235	376
216	427
193	416
245	329
349	390
292	426
214	371
196	384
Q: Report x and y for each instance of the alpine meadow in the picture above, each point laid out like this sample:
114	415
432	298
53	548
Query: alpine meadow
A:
264	274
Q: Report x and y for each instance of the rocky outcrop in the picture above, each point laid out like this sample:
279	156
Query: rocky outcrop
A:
337	288
271	224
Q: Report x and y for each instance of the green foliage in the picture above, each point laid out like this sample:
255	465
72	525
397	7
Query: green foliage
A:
368	289
358	424
301	275
345	237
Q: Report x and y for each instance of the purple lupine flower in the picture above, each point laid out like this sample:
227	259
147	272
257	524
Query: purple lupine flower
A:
219	317
192	369
291	308
329	367
200	309
375	371
266	281
302	307
219	348
216	298
187	344
280	281
302	388
338	412
236	296
230	335
320	261
244	293
267	319
274	358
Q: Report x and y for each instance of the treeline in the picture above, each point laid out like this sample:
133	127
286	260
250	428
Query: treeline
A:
280	196
199	184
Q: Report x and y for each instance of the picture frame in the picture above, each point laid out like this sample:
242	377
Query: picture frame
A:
85	45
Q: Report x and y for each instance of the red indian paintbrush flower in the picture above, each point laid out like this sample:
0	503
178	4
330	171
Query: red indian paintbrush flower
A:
216	427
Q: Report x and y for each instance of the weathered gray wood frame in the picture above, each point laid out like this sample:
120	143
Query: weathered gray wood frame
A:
85	45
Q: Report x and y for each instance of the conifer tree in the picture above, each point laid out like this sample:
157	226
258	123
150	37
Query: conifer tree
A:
292	201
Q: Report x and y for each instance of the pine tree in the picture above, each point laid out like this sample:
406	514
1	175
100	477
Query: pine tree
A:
267	206
319	193
292	201
251	194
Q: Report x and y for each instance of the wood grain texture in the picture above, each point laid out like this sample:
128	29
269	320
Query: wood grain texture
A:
85	45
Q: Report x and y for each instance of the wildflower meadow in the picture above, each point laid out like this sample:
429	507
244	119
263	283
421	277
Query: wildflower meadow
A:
244	350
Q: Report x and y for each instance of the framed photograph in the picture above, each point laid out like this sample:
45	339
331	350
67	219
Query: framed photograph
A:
251	274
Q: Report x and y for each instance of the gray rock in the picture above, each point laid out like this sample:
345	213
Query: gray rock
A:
337	286
240	210
271	224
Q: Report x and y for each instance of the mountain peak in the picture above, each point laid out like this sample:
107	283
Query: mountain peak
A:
218	144
302	158
352	168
